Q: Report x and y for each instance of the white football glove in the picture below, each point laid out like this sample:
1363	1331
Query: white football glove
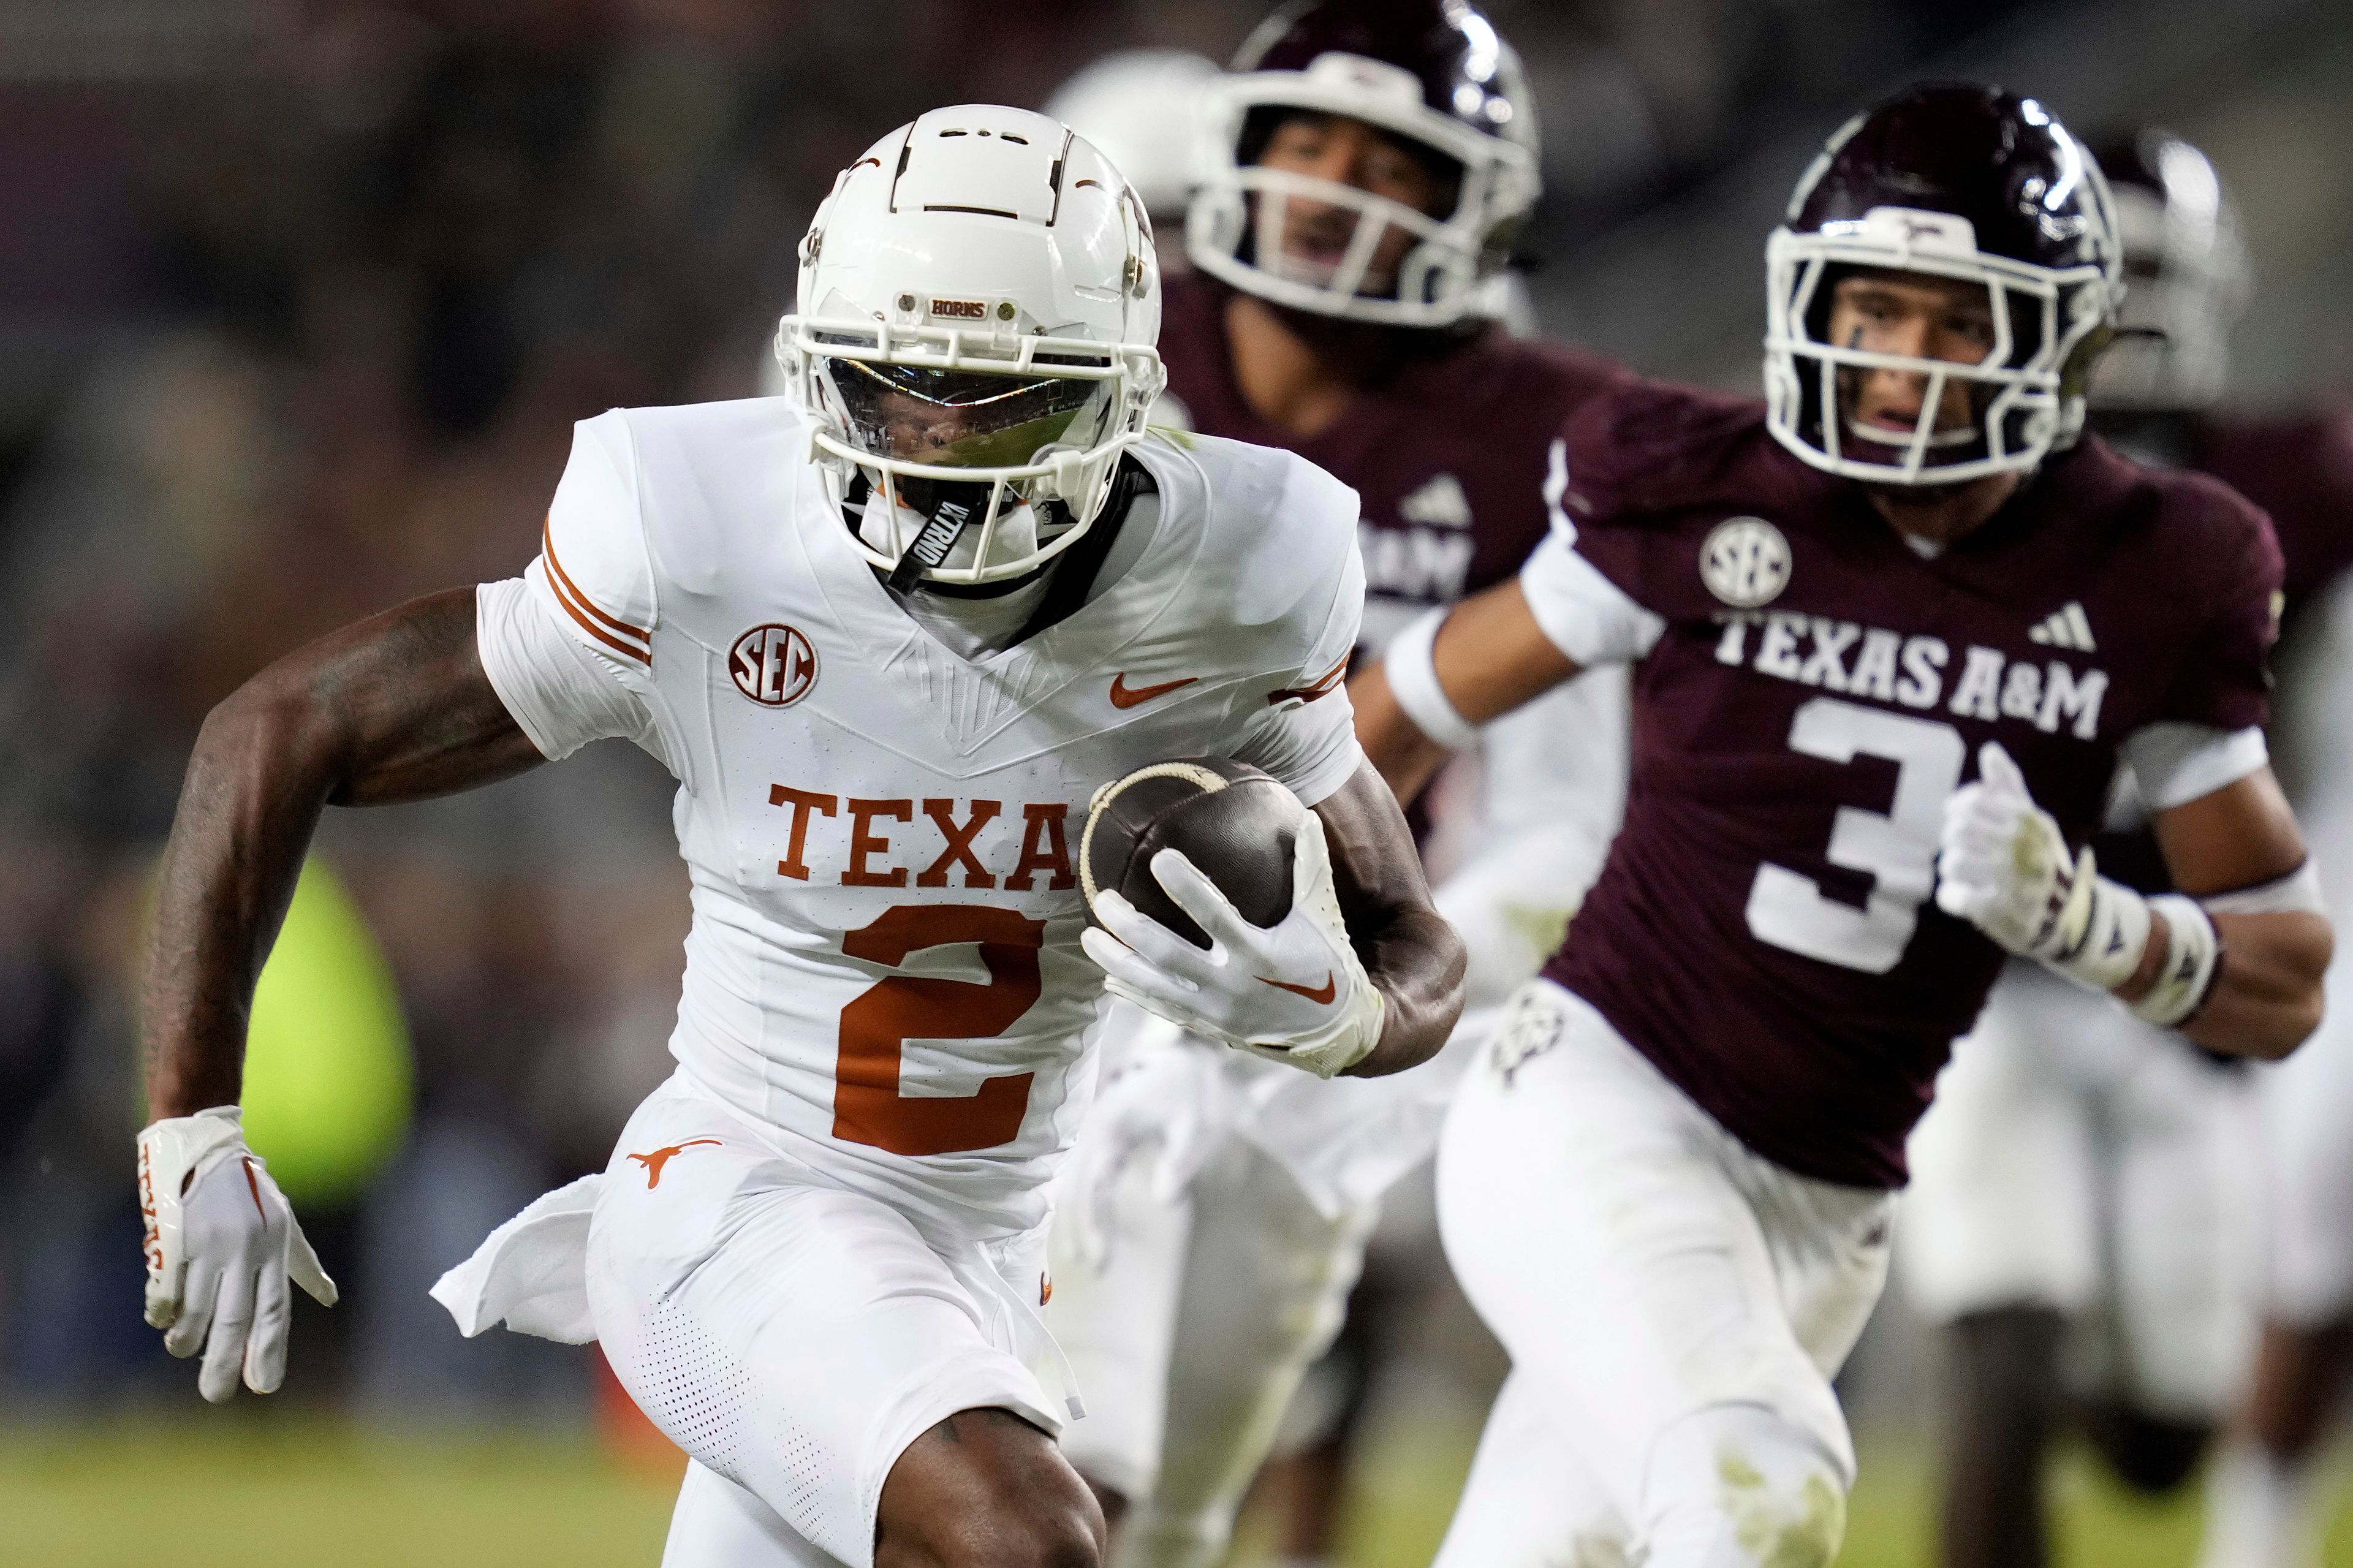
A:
2004	867
1293	992
1167	1107
222	1242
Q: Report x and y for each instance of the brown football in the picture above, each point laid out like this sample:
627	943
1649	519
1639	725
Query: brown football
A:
1234	822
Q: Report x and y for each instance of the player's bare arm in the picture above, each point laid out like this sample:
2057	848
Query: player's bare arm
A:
1411	955
1489	657
2266	995
395	708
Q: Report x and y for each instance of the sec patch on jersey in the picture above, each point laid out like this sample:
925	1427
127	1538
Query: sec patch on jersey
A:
1235	823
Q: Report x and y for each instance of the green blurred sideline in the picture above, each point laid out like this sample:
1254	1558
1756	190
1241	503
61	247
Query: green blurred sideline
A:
295	1492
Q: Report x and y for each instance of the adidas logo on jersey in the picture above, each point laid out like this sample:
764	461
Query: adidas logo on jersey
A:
1439	502
2068	628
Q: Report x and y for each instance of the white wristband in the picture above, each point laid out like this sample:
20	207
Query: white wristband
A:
1412	668
2193	954
2100	932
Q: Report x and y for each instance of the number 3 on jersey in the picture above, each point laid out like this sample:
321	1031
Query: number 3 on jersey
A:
1897	848
869	1106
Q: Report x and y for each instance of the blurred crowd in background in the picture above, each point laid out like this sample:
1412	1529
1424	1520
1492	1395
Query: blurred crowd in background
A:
298	303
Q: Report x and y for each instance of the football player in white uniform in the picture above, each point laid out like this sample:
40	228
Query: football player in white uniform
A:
891	634
1215	1216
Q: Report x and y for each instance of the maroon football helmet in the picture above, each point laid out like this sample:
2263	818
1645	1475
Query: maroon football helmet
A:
1954	181
2186	276
1432	73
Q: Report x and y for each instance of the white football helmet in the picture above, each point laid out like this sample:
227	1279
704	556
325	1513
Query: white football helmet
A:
1434	73
2187	276
1142	108
974	347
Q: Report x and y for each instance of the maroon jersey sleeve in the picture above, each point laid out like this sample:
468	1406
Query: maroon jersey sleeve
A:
1637	462
2217	546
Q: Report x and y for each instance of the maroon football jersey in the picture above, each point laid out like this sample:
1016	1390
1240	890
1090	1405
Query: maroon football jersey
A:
1763	931
1448	452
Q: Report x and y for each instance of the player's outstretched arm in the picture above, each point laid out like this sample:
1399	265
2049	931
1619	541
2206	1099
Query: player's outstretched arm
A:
2234	959
395	708
1442	678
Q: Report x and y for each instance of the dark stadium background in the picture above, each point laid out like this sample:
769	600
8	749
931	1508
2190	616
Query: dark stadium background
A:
298	303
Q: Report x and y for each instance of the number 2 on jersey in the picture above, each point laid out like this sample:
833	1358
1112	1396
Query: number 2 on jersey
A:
1897	847
868	1105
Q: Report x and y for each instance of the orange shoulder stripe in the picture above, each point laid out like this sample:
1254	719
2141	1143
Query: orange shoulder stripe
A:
629	641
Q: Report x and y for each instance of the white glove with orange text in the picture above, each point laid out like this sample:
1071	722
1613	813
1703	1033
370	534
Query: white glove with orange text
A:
1293	992
222	1242
2004	867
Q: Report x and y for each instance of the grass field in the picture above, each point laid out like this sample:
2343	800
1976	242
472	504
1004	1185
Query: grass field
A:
298	1494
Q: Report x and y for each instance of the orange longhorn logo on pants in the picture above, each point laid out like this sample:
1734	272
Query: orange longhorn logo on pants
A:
654	1162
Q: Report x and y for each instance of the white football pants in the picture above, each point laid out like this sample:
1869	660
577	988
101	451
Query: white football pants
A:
793	1337
1674	1304
2077	1158
1183	1404
2305	1108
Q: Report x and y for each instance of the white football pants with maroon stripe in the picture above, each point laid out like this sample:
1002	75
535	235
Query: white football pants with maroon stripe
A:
1674	1307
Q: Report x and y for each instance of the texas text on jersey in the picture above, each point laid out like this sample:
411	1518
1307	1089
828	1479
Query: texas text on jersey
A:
1812	691
1448	453
857	805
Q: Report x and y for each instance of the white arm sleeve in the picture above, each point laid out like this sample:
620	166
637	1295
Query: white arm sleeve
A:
1412	663
563	695
2177	763
1585	615
1306	733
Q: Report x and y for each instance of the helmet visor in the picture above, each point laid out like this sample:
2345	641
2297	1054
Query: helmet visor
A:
966	419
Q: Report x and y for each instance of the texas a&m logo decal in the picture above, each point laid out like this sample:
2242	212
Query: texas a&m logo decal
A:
773	665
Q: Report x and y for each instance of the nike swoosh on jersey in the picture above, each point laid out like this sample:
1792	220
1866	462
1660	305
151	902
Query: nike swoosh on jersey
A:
1125	696
1322	998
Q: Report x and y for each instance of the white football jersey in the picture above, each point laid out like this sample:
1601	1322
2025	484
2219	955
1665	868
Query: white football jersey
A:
884	965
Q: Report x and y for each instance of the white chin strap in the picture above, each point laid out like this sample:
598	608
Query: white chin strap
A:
890	530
